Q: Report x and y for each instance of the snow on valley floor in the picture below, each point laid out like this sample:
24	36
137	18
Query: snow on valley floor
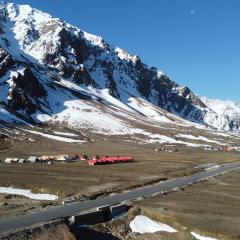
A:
199	237
28	194
142	224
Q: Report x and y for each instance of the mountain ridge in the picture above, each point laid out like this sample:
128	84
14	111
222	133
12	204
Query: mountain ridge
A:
51	69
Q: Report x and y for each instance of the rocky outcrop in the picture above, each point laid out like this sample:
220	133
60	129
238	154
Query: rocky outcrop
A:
81	76
26	93
71	51
6	62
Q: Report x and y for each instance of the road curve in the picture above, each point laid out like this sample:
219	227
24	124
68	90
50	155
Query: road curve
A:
75	208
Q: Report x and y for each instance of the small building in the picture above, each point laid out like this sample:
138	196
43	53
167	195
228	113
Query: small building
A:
84	157
209	148
62	158
92	162
237	149
46	158
32	159
15	160
8	160
172	150
228	149
21	161
95	157
73	157
110	160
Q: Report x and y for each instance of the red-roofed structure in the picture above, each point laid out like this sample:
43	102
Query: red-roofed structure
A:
109	160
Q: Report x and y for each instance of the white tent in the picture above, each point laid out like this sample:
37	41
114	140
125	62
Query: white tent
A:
8	160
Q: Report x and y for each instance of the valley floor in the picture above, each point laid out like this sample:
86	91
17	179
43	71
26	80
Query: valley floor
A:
210	206
207	209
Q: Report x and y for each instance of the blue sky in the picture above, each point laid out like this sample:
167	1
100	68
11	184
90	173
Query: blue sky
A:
195	42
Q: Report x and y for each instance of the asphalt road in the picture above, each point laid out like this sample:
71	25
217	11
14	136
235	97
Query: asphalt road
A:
74	208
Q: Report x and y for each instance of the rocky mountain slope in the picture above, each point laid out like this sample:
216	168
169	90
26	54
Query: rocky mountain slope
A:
53	72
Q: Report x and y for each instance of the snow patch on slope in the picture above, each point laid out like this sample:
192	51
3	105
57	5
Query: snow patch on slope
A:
199	138
160	139
80	115
57	138
148	110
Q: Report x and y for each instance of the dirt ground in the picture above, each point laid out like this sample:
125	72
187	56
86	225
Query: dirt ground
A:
12	205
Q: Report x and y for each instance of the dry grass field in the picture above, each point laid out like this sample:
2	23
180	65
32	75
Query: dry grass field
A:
79	180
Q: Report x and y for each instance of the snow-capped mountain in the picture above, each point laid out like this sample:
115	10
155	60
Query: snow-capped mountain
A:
229	108
51	71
